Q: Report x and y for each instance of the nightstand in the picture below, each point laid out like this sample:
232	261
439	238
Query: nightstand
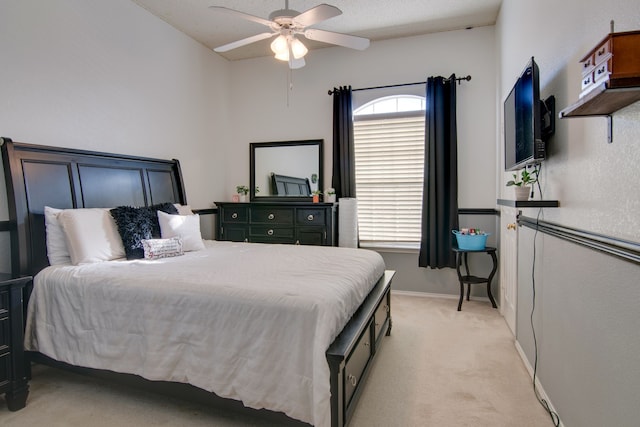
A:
13	374
474	280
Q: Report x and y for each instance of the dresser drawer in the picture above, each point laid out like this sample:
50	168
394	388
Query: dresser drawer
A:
587	83
602	72
356	363
5	335
4	303
602	53
587	65
381	315
311	216
271	215
266	233
5	369
316	236
236	215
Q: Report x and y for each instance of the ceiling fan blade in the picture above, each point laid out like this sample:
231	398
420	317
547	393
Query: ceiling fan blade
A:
345	40
246	41
316	14
242	15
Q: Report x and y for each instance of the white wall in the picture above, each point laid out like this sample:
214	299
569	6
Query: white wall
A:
586	302
108	76
263	110
260	110
583	171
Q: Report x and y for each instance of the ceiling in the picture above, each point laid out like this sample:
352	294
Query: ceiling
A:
373	19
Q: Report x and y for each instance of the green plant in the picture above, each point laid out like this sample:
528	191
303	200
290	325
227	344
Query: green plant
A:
525	179
330	191
316	192
242	189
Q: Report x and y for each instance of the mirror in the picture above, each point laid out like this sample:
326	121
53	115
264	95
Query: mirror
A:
286	170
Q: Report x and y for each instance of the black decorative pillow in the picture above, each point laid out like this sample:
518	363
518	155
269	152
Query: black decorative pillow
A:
136	224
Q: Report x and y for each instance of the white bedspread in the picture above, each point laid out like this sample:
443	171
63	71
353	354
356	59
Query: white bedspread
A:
246	321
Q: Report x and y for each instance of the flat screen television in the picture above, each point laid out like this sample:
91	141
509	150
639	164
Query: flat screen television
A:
528	121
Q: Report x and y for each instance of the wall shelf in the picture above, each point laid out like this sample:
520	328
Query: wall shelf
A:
610	78
602	101
529	203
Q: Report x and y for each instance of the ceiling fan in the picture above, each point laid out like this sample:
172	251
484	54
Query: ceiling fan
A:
288	24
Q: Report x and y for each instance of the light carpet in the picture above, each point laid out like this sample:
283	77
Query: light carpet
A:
439	367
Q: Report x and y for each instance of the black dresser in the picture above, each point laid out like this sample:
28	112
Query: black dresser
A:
13	369
299	223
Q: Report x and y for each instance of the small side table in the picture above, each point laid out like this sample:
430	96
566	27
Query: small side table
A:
13	366
473	280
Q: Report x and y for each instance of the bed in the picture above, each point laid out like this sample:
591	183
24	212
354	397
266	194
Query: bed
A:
337	306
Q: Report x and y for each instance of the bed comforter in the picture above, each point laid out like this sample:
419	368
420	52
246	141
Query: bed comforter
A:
246	321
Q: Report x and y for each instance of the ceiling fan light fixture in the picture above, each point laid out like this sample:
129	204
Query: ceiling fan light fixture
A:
298	48
280	46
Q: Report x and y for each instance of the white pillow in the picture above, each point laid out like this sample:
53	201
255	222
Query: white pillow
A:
57	251
183	209
185	226
91	235
162	248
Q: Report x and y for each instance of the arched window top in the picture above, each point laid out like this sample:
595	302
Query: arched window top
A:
392	104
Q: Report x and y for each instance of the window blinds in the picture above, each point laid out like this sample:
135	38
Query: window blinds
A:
389	164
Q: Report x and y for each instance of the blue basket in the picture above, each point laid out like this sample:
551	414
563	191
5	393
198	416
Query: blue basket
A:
471	242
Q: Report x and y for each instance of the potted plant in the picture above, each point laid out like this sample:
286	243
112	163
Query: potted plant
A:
316	196
522	185
242	191
330	195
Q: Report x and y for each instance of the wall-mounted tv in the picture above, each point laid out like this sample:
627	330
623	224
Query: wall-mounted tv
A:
528	121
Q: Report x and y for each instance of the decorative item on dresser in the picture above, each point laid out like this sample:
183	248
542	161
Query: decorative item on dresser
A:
13	369
300	223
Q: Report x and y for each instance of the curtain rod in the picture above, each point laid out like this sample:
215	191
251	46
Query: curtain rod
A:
459	79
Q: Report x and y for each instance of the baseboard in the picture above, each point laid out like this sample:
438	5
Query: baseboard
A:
539	388
434	295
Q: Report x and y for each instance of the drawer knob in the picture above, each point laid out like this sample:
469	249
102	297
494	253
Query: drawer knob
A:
234	215
366	344
352	379
310	217
271	216
270	232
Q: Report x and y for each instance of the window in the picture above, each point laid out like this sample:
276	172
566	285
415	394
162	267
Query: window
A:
389	167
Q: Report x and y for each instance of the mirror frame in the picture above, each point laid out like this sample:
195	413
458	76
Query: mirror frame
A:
252	169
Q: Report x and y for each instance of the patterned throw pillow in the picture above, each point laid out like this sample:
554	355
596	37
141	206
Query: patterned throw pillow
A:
162	248
135	224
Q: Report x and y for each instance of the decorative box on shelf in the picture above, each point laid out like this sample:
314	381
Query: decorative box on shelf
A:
610	77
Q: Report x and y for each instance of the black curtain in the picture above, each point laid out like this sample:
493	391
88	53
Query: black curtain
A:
440	194
343	179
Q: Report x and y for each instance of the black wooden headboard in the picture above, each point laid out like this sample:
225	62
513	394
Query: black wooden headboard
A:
282	185
37	176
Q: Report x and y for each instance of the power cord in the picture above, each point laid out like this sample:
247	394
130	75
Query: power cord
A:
537	168
555	418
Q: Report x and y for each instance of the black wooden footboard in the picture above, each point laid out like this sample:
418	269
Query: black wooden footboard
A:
351	355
